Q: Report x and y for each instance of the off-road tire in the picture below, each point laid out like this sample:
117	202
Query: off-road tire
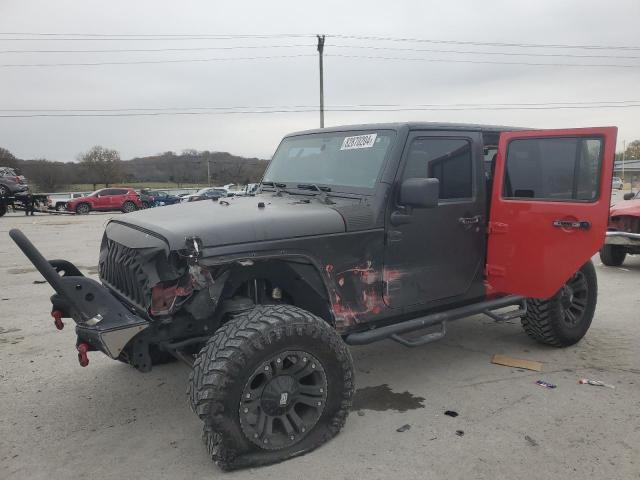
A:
83	208
612	255
224	367
60	207
128	207
549	321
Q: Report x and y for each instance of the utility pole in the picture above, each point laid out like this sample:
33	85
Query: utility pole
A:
208	172
624	150
320	51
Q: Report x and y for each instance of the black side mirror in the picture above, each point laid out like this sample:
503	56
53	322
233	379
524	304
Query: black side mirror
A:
629	196
420	192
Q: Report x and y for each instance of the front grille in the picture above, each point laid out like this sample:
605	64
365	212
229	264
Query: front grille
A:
121	269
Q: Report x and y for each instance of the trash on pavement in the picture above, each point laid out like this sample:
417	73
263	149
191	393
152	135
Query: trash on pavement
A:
403	428
508	361
542	383
595	383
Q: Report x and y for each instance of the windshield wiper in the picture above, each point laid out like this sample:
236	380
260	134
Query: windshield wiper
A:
322	191
278	187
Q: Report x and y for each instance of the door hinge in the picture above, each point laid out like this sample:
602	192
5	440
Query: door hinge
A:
497	227
494	271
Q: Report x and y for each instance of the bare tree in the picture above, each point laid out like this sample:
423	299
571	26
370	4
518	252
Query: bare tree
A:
101	165
7	159
48	176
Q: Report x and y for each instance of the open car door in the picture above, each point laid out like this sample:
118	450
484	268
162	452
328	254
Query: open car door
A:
549	207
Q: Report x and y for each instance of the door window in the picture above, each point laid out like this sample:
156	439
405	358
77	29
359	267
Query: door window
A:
447	159
560	168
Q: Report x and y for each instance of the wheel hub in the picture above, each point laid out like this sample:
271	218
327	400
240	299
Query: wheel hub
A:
279	394
573	299
283	400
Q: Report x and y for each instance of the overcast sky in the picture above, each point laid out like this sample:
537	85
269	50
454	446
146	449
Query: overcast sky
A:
286	82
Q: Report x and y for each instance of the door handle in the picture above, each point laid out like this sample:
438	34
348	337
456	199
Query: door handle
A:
469	220
577	225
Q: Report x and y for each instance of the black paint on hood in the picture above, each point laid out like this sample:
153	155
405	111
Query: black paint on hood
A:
237	220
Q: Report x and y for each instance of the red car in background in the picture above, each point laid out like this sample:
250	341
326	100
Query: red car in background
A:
107	199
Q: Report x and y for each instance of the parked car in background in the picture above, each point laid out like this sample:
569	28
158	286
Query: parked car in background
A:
58	201
146	198
206	194
161	197
623	233
616	183
11	183
107	199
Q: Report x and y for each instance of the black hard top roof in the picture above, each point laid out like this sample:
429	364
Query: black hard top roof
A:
413	126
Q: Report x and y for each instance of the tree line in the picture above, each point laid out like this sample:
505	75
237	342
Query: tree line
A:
102	166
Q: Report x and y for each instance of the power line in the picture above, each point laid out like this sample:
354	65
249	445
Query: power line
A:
315	110
365	47
374	105
487	44
270	57
150	62
169	36
147	50
490	62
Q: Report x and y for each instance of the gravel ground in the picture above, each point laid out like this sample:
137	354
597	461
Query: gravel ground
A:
109	421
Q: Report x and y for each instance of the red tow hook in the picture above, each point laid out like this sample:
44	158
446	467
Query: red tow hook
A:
57	319
83	359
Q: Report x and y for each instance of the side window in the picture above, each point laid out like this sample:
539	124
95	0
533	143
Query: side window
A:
106	192
447	159
560	168
119	191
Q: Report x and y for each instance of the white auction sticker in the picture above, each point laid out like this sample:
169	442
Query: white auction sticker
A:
359	141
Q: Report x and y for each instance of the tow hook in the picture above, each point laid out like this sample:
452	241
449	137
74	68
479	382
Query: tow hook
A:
83	359
57	319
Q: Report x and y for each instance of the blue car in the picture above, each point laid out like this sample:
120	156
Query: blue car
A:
161	197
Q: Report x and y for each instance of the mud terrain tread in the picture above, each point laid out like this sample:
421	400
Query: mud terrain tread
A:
227	352
543	320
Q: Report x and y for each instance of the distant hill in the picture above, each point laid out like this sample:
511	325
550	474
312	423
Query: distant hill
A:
191	167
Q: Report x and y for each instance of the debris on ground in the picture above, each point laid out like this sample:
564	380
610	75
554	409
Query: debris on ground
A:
451	413
460	433
531	441
595	383
508	361
403	428
360	413
542	383
39	282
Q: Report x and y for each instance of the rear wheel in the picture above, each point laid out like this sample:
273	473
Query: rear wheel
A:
60	207
128	207
271	384
612	255
564	319
4	191
83	209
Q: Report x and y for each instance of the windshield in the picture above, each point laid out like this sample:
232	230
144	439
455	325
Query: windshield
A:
340	159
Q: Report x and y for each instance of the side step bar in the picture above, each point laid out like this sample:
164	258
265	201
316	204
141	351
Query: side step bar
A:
396	330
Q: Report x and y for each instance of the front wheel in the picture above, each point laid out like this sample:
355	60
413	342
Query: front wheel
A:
271	384
4	191
612	255
564	319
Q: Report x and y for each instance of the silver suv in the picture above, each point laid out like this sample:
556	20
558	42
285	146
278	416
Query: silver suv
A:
11	183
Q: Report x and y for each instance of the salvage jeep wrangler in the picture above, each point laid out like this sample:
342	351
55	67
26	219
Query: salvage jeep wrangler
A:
357	234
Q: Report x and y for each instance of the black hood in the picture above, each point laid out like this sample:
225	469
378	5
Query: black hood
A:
237	220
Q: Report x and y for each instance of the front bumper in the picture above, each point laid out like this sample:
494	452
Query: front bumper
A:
626	239
102	321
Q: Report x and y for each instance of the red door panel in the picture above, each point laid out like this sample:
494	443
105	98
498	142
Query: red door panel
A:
549	207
